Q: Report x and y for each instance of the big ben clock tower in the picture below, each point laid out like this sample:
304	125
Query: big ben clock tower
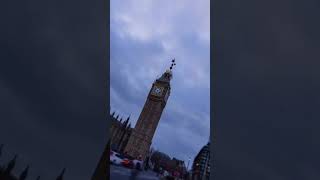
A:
142	134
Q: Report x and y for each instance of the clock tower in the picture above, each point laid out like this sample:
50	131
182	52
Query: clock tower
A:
141	138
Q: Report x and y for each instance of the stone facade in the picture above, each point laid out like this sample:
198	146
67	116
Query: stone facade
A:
120	132
141	138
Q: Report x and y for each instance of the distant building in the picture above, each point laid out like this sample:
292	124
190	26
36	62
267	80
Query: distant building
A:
179	168
201	164
160	160
174	166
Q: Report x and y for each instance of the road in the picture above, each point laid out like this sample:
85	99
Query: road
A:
122	173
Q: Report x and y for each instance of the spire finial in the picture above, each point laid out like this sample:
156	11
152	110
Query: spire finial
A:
167	75
121	119
173	63
126	122
60	177
24	174
11	164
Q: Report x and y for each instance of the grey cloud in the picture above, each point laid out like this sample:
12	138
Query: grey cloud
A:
53	86
143	49
266	93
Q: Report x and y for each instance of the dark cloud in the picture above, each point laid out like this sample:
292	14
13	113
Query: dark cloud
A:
53	86
143	39
266	95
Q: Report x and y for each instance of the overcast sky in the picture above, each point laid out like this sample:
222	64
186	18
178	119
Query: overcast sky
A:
267	89
145	36
53	86
266	73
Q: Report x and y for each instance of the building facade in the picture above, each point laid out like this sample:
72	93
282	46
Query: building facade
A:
141	136
120	132
136	141
201	164
174	166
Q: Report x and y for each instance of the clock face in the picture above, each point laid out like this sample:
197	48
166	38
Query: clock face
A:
157	90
